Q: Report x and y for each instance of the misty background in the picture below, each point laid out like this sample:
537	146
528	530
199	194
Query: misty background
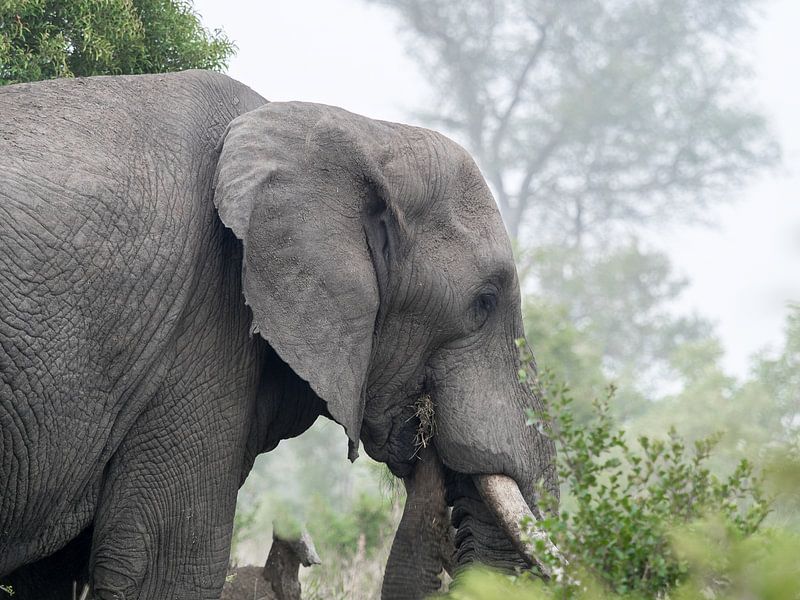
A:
646	157
743	268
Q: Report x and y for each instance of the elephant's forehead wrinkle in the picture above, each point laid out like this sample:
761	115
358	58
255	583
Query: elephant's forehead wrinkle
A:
427	170
440	192
447	239
462	272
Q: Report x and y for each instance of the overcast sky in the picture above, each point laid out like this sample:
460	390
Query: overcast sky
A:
744	272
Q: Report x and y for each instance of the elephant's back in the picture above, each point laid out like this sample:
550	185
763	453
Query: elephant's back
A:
105	187
104	206
105	200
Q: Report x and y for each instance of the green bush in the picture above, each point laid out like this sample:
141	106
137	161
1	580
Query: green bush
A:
42	39
366	524
725	563
646	519
622	500
354	546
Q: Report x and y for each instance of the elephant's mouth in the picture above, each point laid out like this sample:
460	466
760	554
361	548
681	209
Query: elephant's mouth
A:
493	523
486	513
490	521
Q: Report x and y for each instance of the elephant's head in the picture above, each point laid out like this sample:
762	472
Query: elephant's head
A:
377	266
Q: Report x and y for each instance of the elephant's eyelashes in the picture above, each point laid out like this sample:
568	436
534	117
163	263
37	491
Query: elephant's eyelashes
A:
483	306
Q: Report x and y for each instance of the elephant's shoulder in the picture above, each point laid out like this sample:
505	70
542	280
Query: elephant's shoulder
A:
219	84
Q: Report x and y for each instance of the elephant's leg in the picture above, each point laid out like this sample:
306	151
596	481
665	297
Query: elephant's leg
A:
55	577
166	510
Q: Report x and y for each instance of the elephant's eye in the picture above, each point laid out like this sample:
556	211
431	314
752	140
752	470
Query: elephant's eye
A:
483	306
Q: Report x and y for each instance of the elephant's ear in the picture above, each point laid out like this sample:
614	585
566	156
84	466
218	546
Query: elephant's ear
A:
298	183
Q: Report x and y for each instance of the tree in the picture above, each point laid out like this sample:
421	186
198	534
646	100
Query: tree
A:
757	417
41	39
598	317
779	376
593	114
619	299
593	119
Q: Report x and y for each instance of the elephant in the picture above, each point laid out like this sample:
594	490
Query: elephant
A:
190	274
278	578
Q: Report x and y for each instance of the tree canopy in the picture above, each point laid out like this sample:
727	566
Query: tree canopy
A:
591	114
42	39
595	121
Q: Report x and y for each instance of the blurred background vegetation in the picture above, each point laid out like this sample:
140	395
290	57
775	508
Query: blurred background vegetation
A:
595	122
42	39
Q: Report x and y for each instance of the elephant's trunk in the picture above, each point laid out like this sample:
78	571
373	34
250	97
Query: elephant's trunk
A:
422	546
503	498
488	514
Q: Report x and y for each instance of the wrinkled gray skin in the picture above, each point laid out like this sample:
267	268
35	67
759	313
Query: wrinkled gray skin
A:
189	274
423	544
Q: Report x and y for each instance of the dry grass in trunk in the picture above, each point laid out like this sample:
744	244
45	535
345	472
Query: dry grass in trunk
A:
423	410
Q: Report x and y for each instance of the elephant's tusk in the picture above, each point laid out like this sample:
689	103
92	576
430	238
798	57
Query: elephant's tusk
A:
502	496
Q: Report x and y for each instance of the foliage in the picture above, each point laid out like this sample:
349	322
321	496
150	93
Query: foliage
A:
566	349
756	417
589	115
245	525
621	298
779	374
7	589
42	39
600	317
350	510
484	584
367	523
709	400
783	470
609	318
648	519
355	546
721	563
725	563
622	500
